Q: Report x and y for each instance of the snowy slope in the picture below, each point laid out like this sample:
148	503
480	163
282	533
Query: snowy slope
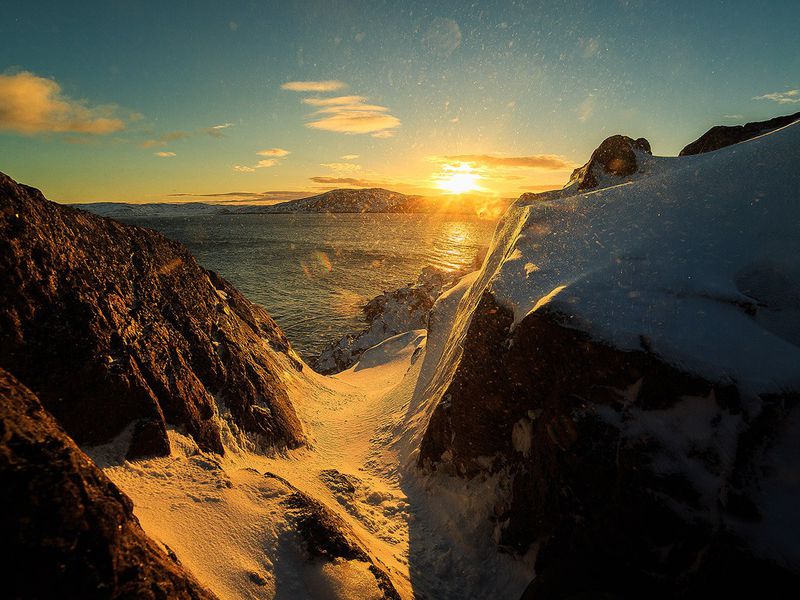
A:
698	258
158	209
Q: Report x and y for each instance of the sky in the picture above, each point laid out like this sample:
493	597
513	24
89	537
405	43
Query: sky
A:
263	101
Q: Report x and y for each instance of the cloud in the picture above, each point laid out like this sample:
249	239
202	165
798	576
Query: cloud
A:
277	152
586	108
350	156
30	104
217	130
164	139
733	116
313	86
342	167
346	181
349	114
164	154
383	134
269	197
537	161
334	101
787	97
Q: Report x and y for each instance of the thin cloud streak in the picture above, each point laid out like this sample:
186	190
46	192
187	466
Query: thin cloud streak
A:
787	97
550	162
313	86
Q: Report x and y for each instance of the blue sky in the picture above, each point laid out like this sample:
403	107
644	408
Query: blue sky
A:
488	80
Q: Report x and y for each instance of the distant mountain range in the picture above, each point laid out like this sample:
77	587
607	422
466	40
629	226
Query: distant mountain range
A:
372	200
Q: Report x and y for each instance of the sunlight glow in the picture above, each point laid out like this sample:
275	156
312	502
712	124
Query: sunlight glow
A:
458	179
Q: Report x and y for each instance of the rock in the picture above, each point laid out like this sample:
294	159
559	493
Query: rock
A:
392	313
327	537
111	324
723	135
604	479
616	156
68	532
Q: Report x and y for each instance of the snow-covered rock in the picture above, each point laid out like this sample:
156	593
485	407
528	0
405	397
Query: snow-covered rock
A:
391	313
629	356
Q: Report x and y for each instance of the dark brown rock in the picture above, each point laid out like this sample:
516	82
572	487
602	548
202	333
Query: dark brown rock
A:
111	324
723	135
68	532
615	156
326	536
574	427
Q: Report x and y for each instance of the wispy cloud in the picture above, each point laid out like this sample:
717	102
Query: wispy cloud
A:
345	181
164	154
313	86
165	138
787	97
350	156
337	100
551	162
30	104
277	152
342	167
269	197
346	114
217	131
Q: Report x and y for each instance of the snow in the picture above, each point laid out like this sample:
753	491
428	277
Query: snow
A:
678	256
225	522
697	256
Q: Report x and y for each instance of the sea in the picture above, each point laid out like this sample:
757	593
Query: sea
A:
314	272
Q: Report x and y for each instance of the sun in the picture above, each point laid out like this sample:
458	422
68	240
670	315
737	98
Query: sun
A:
458	179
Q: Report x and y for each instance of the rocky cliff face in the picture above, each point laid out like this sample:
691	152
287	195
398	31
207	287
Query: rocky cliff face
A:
724	135
619	367
68	532
113	325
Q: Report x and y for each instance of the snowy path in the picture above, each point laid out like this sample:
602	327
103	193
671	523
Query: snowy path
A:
224	521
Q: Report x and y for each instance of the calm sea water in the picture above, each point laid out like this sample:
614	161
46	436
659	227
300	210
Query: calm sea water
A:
314	272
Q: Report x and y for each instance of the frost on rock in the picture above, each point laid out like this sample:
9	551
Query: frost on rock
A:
391	313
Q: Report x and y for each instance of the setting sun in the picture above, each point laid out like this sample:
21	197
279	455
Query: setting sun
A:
458	179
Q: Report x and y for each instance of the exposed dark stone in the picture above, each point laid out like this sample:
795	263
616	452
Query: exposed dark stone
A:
565	419
110	324
327	537
724	135
149	439
68	532
615	156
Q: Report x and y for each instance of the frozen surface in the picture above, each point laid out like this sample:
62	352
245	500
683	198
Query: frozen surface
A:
696	258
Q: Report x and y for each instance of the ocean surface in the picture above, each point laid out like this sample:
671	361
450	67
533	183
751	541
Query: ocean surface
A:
314	272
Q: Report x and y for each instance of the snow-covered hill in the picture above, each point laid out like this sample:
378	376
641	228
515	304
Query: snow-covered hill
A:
117	210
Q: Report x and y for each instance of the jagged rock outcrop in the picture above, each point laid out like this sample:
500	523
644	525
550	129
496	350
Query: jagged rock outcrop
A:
391	313
113	325
616	156
68	532
627	365
725	135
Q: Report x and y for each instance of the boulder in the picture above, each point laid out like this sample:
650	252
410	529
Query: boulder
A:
616	156
68	532
114	326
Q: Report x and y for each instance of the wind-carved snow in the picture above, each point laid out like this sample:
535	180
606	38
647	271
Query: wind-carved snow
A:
697	259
